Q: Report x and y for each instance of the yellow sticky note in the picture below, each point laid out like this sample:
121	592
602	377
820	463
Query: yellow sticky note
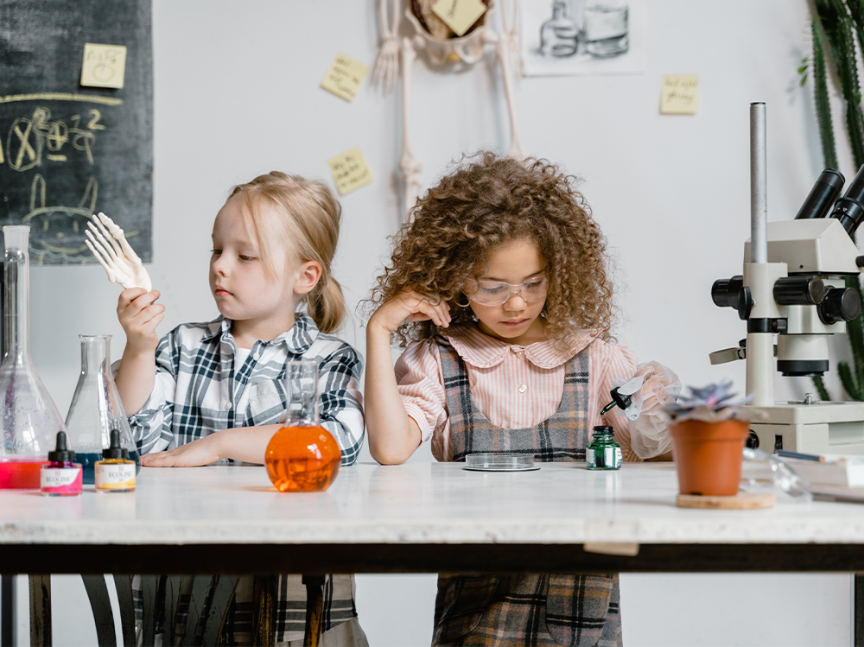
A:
104	66
680	94
350	171
344	77
459	14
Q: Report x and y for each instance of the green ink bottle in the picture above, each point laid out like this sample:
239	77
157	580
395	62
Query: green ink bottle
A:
603	453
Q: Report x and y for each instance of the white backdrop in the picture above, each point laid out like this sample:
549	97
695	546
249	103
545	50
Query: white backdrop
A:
236	94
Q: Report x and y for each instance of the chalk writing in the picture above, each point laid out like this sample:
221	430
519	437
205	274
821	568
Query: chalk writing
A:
344	77
29	137
350	171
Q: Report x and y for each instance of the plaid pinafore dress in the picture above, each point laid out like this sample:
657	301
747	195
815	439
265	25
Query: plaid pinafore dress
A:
532	609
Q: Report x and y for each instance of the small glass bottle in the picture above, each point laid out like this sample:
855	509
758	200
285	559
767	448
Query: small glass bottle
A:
302	456
115	473
62	475
559	36
603	453
96	408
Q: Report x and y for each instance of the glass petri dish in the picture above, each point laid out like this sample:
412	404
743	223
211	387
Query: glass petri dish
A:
500	463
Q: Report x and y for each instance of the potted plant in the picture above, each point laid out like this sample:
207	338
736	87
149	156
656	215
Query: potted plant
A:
708	435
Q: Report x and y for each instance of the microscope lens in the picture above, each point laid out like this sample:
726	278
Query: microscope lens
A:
849	209
822	195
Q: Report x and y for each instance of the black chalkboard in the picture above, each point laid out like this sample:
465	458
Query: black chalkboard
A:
67	151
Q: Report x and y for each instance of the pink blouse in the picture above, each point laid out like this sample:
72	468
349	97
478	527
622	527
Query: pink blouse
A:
521	386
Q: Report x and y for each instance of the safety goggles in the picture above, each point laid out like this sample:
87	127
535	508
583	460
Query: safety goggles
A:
496	293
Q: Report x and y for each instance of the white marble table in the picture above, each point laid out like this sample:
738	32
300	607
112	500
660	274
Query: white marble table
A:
422	517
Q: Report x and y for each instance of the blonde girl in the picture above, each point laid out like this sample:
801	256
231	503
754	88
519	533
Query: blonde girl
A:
499	288
273	244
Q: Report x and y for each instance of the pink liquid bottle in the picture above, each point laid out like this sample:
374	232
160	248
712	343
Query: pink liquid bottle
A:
61	476
28	418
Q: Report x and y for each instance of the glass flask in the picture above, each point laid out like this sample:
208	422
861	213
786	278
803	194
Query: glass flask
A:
96	408
302	456
603	453
559	36
30	420
606	28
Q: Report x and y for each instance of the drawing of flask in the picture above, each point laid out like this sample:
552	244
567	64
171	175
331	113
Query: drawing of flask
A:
30	420
559	36
302	456
96	408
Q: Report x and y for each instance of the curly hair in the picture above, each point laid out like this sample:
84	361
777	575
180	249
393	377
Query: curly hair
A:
485	202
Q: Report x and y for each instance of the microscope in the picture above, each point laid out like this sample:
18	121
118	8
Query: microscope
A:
793	287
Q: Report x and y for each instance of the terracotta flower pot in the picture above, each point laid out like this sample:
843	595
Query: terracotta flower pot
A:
708	455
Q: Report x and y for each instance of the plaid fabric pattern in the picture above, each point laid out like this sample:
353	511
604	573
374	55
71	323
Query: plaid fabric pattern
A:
290	609
200	390
562	437
531	609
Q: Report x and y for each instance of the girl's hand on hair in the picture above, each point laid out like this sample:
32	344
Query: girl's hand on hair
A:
409	307
139	314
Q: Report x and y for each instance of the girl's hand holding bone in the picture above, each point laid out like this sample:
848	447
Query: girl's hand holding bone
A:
108	244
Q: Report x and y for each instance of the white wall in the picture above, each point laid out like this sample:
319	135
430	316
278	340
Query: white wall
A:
236	94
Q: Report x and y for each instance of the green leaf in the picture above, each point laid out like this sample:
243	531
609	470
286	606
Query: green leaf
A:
802	69
803	81
820	388
848	383
822	100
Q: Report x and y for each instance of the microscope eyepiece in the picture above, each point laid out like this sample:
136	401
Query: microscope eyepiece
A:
849	209
724	292
822	195
840	304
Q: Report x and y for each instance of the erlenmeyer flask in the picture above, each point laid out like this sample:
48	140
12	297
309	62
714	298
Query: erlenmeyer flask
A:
30	420
96	408
302	456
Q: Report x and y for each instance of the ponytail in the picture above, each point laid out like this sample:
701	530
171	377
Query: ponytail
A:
326	304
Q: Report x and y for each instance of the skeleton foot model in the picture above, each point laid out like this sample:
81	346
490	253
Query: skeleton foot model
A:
441	50
108	244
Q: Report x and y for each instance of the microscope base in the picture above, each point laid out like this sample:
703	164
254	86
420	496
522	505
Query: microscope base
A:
818	428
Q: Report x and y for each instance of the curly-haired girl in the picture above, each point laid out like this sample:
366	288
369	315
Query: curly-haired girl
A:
499	288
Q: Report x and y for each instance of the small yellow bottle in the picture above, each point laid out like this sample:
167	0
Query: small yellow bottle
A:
115	473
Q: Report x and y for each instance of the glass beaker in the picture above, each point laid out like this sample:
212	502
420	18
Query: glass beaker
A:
96	408
30	420
302	456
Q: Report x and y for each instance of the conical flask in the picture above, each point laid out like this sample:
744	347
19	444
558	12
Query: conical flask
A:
96	408
30	420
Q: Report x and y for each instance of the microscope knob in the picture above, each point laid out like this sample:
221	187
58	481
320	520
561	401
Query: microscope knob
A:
745	303
725	292
799	291
840	304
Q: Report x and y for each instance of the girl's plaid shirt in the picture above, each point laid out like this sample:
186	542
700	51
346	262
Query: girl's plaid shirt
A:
199	390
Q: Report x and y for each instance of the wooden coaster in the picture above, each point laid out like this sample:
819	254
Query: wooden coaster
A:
741	501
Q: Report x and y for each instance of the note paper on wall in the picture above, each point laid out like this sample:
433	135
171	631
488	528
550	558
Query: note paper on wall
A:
104	66
344	77
680	94
350	171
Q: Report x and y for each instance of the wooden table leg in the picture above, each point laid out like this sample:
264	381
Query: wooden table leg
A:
40	611
314	609
264	596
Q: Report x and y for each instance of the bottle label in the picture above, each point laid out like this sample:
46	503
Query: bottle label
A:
57	480
115	476
591	457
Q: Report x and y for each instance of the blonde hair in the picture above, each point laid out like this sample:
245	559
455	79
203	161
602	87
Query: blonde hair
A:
308	219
